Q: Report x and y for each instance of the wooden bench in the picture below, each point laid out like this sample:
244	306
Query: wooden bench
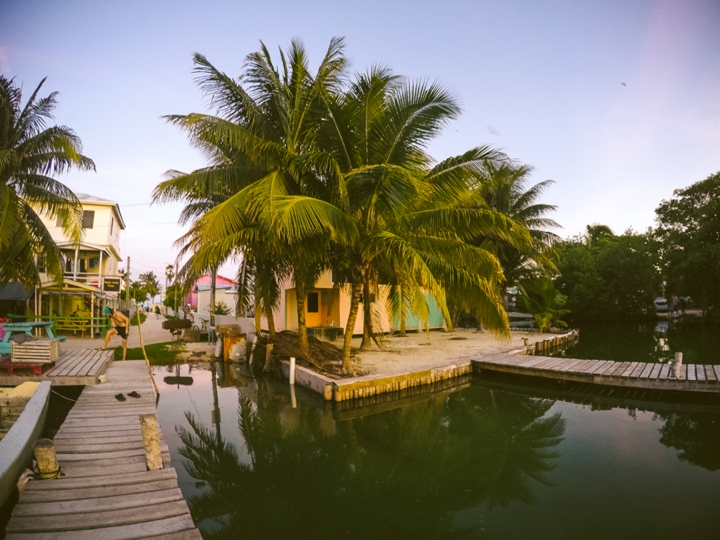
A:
177	326
75	325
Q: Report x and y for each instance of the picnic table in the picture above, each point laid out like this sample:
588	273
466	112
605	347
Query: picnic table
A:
75	324
27	328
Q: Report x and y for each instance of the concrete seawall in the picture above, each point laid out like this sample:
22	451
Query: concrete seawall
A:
340	390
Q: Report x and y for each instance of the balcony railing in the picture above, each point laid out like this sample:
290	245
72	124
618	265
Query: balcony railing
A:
89	278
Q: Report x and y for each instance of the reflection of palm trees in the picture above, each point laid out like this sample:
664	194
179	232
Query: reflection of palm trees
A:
696	436
395	474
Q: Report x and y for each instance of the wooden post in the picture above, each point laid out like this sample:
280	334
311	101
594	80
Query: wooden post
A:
525	340
147	362
293	399
292	370
46	458
151	441
677	364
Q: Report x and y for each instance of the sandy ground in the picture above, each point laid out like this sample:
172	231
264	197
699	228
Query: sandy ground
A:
422	351
415	352
152	332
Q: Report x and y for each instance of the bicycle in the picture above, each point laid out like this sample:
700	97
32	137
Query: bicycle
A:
205	329
203	325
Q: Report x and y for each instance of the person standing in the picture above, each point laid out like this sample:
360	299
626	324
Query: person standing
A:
121	327
157	312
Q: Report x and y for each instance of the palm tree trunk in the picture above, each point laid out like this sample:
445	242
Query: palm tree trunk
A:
403	315
367	317
455	315
301	295
350	326
258	318
271	338
450	321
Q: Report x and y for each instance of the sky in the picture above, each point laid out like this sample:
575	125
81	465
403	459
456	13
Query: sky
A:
616	101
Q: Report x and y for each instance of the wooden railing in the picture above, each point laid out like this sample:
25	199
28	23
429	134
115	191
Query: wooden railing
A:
66	323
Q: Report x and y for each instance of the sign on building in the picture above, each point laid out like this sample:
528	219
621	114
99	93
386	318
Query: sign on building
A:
111	284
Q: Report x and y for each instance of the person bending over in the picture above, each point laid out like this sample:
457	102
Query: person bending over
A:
121	327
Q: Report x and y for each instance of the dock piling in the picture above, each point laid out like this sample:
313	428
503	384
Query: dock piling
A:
48	466
677	364
151	441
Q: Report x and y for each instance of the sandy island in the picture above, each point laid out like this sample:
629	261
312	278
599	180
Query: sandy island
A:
420	351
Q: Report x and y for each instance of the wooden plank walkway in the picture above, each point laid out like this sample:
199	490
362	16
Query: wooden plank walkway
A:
650	375
80	367
107	492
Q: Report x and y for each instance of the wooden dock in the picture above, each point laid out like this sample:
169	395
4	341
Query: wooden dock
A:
651	375
73	368
107	492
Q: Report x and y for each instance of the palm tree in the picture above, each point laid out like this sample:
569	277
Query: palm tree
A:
546	303
410	233
597	234
504	189
262	149
30	155
150	283
169	275
333	178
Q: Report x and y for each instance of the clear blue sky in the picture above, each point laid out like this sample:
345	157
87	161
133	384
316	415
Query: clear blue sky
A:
539	80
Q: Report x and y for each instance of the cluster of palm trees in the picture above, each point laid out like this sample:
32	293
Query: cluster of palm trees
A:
320	171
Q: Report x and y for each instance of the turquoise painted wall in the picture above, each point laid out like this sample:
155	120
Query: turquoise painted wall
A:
412	321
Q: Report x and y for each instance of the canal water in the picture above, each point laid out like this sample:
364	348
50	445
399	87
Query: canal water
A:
646	342
481	460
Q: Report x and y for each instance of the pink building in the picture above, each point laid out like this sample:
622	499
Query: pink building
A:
206	279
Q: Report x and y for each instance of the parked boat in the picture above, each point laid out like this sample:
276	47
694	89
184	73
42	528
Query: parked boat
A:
22	413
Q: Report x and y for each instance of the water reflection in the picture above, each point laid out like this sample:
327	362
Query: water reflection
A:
696	436
649	342
397	474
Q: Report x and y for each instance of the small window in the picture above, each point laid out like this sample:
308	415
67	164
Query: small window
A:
312	303
41	265
88	219
325	297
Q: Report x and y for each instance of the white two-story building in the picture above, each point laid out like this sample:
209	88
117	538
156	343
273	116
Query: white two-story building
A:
91	279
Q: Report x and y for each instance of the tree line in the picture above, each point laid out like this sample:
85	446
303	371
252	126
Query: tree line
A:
608	277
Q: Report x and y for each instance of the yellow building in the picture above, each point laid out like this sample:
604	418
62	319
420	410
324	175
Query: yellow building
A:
90	280
328	306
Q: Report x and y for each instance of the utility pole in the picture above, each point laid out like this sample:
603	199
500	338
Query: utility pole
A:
127	285
213	280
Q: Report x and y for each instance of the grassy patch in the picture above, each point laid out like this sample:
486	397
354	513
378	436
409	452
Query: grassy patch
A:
159	354
133	321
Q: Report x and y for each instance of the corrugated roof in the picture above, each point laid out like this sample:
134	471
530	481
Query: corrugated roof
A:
93	198
14	291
